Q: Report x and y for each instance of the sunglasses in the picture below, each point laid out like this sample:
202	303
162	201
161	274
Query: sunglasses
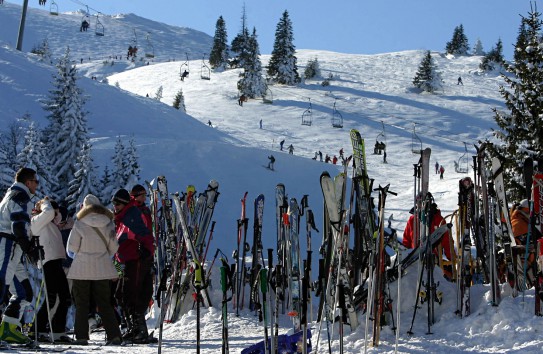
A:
116	203
35	180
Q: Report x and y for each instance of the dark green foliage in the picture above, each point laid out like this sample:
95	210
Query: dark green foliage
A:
179	101
240	45
219	52
252	83
312	69
522	37
493	60
427	77
520	126
459	42
282	67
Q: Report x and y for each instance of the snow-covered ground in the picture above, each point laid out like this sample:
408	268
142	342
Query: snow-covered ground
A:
370	92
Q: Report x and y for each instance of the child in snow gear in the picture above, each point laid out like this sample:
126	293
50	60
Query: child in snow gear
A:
242	99
15	211
291	149
441	171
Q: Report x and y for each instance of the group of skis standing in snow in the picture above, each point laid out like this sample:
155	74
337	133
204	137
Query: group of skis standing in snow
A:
110	272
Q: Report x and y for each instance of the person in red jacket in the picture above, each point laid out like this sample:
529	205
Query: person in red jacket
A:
437	221
136	248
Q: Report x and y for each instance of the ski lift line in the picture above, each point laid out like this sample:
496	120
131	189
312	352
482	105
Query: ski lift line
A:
445	136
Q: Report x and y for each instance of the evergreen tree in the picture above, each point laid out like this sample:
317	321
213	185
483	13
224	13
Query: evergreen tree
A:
282	66
67	131
179	101
521	43
6	171
459	42
493	60
35	156
312	69
218	58
252	83
107	188
240	44
520	127
43	50
119	165
12	140
132	172
428	78
84	181
478	48
158	94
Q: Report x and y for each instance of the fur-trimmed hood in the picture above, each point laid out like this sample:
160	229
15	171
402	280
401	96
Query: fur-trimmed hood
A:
95	215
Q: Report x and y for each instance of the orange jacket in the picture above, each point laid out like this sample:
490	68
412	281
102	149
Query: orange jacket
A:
409	241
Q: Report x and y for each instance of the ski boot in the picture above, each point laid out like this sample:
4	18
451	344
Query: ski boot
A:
11	334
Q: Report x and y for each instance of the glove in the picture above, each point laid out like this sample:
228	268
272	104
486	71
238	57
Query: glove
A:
119	267
35	251
24	243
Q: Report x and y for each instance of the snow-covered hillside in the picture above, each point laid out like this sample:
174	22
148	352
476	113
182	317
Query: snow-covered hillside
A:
369	91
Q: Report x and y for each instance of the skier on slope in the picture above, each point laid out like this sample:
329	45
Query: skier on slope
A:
441	171
271	162
437	167
291	149
436	221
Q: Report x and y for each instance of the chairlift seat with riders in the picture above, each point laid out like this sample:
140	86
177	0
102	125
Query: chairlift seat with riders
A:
337	118
307	115
380	141
184	69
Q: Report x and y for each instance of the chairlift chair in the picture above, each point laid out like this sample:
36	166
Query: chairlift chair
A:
337	118
149	49
416	143
268	96
462	165
380	141
307	115
205	71
184	68
99	29
53	8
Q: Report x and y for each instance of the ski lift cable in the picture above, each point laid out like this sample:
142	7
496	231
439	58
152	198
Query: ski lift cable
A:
445	135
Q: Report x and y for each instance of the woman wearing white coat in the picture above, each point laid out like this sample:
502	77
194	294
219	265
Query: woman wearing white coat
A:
44	223
92	244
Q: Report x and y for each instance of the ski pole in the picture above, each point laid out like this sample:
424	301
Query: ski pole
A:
224	285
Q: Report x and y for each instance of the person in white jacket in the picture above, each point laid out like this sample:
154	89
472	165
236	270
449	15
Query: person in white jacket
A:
44	224
92	244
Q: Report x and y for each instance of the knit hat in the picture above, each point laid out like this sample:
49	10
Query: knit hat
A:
121	196
91	200
524	203
138	189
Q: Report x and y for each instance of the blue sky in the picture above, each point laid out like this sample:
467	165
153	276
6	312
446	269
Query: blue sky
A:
347	26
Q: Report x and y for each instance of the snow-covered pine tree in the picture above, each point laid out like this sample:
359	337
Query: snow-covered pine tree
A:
312	69
12	139
520	126
84	181
6	172
240	44
43	50
179	101
459	43
107	188
518	55
493	60
132	174
67	131
218	58
282	67
478	48
428	78
119	165
252	83
158	94
34	155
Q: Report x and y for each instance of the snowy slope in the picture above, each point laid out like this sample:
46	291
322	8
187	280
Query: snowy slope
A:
367	90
